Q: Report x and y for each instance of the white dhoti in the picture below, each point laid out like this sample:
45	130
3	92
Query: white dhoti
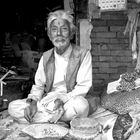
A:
76	106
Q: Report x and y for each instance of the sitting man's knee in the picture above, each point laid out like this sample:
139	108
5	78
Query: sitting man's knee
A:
11	107
16	107
81	100
81	105
12	104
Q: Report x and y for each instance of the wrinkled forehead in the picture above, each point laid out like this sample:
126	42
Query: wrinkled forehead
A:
60	22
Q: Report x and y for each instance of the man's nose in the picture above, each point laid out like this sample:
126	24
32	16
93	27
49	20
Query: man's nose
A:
59	32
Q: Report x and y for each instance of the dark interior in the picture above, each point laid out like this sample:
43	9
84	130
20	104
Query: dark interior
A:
18	15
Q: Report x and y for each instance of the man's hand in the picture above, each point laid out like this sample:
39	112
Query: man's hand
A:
59	111
57	116
30	111
58	104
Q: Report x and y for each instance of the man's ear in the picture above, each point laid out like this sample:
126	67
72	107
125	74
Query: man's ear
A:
48	33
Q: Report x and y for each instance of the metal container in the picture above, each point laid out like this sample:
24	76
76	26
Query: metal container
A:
4	103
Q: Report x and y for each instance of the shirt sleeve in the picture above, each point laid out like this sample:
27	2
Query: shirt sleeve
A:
40	79
84	77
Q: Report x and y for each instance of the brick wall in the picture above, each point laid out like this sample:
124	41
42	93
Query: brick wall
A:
111	53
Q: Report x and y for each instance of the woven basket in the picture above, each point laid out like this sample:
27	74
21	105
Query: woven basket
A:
84	128
44	131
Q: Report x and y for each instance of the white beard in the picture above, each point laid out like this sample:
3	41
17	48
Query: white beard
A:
60	44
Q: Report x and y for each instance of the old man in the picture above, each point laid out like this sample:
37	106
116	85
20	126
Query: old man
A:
64	72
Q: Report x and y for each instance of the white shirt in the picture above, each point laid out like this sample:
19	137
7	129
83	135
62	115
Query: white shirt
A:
84	77
61	62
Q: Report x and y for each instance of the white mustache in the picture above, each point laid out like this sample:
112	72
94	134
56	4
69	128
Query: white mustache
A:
59	39
60	42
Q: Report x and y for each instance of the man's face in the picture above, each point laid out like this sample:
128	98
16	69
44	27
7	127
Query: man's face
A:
60	34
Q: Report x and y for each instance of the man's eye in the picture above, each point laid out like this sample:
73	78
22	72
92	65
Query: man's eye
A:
64	28
53	29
